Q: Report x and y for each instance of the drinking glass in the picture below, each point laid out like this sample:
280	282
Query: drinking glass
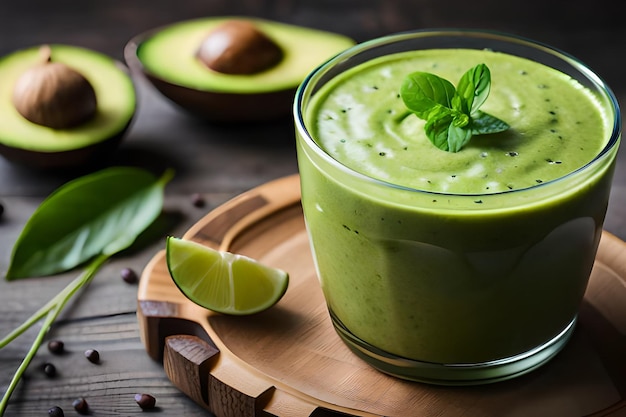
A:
464	293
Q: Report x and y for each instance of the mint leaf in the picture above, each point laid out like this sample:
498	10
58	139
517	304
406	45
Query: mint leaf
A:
447	132
483	124
423	92
437	126
452	114
474	86
457	138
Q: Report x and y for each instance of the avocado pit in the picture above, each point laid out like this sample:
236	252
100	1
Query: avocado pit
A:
54	95
238	47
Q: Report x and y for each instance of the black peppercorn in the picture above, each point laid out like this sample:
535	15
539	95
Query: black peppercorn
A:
145	401
81	406
92	355
1	209
197	200
56	346
128	275
56	412
49	369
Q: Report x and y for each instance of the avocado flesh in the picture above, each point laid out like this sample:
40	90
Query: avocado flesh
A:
170	54
114	89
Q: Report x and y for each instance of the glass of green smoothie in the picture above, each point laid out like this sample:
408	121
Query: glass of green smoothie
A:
463	266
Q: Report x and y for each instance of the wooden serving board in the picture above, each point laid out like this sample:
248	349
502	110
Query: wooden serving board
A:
288	361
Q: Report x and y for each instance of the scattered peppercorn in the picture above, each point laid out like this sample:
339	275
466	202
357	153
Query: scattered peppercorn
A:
49	369
56	346
92	355
56	412
81	406
197	200
145	401
128	275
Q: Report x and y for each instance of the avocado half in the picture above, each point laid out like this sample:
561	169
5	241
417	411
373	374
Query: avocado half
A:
166	56
38	146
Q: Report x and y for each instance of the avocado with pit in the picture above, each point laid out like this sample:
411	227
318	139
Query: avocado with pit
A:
231	68
63	106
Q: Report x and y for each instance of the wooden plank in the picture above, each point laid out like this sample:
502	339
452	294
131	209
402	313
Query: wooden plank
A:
102	317
109	387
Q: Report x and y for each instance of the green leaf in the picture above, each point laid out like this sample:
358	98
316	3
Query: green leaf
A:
483	124
437	127
458	137
98	214
445	134
474	87
452	114
460	104
92	217
423	92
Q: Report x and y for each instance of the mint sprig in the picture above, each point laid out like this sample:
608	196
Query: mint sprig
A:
452	115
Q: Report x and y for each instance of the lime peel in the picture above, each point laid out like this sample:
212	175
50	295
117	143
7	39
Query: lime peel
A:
222	281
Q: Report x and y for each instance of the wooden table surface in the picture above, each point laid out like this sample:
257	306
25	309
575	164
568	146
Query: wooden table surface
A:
219	161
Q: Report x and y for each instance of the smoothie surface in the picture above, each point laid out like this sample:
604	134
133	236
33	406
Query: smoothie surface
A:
556	124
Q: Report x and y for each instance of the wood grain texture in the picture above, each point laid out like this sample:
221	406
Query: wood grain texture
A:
289	357
187	360
102	317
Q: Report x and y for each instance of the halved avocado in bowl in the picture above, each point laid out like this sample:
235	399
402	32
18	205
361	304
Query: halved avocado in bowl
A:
63	106
184	61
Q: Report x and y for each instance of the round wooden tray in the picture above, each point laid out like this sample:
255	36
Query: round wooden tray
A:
288	361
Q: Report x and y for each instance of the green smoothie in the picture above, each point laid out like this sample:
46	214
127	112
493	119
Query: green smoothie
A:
556	125
455	258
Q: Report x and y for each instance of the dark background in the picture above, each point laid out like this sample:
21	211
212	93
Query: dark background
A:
211	158
593	31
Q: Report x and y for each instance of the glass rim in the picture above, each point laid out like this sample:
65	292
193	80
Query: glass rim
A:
304	88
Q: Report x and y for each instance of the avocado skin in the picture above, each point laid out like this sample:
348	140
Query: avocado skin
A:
214	105
62	160
217	106
227	107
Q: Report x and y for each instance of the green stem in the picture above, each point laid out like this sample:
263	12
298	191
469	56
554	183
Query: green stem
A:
34	318
52	310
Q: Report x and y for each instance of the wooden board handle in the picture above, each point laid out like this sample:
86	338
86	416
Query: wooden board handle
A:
187	361
191	364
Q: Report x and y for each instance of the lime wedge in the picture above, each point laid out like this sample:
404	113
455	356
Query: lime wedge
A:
221	281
